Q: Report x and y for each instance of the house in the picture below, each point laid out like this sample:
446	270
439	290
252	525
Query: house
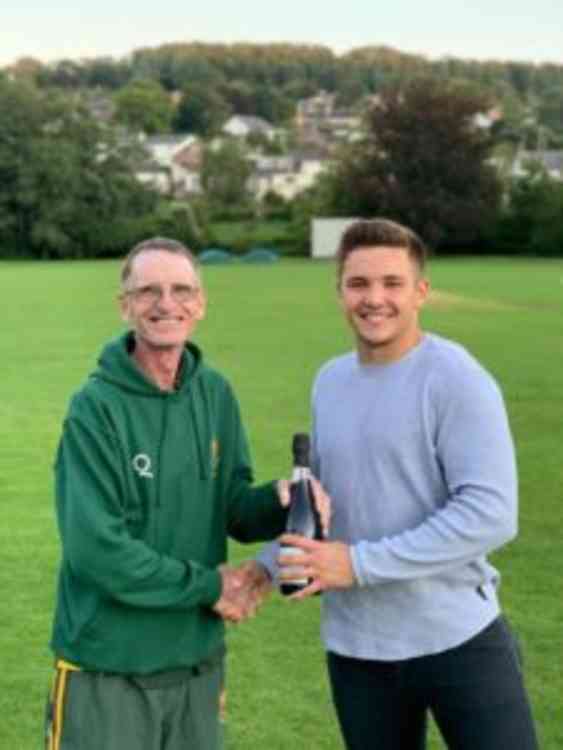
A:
156	176
342	125
286	176
318	120
99	104
550	161
163	148
485	120
318	107
173	163
241	126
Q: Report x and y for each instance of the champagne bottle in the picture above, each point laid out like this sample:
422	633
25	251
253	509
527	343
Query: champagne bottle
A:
303	517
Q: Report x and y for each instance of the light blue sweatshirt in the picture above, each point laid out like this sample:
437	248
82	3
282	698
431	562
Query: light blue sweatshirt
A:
418	459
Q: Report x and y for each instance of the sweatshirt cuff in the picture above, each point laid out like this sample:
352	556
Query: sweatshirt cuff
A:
268	558
213	587
358	568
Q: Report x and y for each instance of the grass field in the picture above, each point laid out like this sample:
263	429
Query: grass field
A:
269	328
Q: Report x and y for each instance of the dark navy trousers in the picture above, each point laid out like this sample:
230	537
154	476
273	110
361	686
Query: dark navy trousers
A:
475	693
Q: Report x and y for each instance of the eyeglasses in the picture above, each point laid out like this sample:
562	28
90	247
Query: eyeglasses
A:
151	293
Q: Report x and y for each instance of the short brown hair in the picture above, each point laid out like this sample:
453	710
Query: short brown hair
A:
380	233
154	244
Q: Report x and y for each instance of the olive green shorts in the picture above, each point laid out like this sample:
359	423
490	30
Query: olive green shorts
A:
176	710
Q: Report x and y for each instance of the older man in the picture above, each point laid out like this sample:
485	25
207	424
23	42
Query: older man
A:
152	474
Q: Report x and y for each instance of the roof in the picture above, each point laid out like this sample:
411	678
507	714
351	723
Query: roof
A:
169	140
551	160
256	124
151	166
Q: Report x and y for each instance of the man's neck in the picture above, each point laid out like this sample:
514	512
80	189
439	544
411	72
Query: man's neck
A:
159	365
386	355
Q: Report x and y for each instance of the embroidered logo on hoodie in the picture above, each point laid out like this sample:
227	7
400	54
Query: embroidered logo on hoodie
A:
214	457
143	465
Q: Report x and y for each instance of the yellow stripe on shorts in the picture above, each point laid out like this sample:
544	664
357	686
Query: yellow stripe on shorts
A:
58	692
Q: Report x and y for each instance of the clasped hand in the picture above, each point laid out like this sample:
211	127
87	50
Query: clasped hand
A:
244	589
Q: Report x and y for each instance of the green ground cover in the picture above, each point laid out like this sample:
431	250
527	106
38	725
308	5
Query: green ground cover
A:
244	235
269	328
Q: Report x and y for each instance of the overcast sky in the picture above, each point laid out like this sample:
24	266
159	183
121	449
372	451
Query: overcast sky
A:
479	29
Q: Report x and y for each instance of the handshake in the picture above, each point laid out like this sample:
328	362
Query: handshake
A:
325	564
244	588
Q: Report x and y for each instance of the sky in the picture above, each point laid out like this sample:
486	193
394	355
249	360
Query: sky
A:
476	29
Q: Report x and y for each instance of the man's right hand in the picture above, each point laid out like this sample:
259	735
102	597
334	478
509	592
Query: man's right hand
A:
243	590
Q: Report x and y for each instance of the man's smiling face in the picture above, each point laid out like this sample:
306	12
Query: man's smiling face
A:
381	293
163	300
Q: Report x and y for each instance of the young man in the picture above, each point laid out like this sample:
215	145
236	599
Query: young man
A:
411	441
152	473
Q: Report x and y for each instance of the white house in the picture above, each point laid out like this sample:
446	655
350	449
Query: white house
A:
242	126
551	161
173	163
318	116
162	148
286	176
156	176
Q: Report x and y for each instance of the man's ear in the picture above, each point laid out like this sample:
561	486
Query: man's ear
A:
123	305
201	305
423	289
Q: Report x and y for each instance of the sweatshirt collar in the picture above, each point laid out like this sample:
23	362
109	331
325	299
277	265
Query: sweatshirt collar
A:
117	366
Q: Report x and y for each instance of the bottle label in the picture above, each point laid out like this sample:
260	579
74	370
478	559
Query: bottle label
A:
293	575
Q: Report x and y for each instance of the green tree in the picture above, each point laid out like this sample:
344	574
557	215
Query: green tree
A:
201	110
107	73
422	161
531	221
66	184
241	97
26	69
272	105
259	141
224	175
550	110
520	75
65	74
144	106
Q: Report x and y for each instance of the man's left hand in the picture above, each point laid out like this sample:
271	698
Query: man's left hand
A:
321	498
328	564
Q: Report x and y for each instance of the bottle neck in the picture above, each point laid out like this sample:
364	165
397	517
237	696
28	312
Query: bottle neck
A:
300	473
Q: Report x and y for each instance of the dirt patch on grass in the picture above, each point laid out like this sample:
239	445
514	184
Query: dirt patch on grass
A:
446	301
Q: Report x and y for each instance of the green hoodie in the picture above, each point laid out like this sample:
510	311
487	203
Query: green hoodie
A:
149	484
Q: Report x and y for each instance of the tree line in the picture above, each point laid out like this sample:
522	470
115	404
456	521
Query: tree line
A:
423	161
268	80
68	187
67	183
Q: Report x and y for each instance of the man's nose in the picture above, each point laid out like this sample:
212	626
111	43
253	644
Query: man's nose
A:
374	294
166	299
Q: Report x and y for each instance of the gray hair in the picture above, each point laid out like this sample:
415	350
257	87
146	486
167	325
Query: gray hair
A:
154	244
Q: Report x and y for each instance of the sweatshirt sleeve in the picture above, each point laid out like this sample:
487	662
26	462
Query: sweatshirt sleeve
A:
268	557
254	512
476	456
95	540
